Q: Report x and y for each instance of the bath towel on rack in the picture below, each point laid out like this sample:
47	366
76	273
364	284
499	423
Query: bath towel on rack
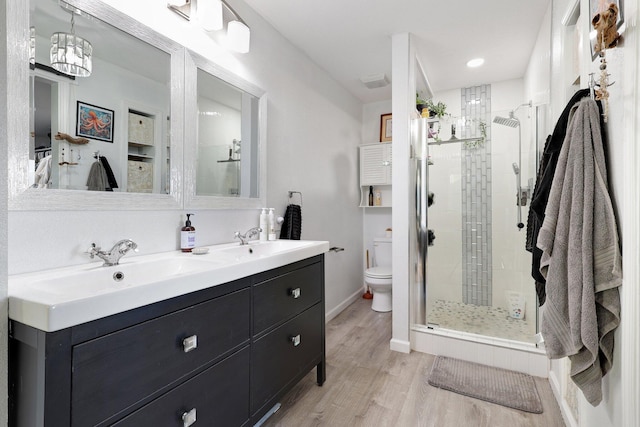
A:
292	225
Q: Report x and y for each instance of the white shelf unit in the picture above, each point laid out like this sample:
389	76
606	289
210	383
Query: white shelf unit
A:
141	152
376	170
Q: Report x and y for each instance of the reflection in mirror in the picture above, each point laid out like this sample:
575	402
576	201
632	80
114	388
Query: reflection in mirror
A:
227	139
108	131
226	117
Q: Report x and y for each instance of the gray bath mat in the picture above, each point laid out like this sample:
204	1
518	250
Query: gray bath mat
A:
507	388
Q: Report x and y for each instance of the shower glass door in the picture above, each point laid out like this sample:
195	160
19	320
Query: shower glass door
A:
476	278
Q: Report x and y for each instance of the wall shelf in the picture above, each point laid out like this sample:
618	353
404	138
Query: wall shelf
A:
376	171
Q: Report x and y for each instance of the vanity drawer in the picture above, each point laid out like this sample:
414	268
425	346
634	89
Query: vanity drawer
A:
282	297
277	360
118	370
218	396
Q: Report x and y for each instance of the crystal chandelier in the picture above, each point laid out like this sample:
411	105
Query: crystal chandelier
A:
71	54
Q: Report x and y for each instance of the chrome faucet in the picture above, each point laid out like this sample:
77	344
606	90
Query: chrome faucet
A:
246	236
113	256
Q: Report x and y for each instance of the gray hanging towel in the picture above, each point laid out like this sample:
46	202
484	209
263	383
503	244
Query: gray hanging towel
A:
97	180
292	225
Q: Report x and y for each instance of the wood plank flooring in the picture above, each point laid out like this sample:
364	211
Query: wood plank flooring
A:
370	385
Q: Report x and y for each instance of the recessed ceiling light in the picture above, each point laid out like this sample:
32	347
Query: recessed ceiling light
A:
475	62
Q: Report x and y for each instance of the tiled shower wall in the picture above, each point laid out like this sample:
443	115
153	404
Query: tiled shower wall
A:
476	197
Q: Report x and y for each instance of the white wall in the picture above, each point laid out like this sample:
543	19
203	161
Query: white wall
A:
620	387
313	130
511	262
375	220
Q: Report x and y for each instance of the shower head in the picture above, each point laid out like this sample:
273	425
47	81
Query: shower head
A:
516	168
510	121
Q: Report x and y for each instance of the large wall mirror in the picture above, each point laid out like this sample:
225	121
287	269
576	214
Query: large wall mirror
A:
227	119
109	139
176	130
117	117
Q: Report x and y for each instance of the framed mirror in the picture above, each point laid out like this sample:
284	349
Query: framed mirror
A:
112	139
226	116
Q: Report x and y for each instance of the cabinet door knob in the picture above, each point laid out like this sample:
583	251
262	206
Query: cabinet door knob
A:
295	340
294	293
188	418
190	343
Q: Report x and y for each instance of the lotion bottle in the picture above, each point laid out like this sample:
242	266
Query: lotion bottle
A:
188	236
272	224
264	225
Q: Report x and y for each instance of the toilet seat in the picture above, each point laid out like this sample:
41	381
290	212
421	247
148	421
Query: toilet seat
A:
378	272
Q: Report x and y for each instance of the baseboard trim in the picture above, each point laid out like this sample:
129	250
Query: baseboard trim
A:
400	345
567	415
344	304
527	358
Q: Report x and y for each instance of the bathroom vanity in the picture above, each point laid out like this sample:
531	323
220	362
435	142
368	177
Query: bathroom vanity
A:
221	355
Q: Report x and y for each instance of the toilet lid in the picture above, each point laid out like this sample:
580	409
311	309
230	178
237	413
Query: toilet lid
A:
378	272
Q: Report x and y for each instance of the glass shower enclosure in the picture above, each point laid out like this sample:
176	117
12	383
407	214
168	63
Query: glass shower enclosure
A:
470	270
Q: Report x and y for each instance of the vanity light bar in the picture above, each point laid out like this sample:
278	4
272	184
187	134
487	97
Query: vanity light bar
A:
211	18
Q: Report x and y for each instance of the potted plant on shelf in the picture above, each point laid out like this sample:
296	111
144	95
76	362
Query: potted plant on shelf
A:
420	103
438	109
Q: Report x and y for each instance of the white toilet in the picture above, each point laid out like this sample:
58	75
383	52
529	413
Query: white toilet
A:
378	278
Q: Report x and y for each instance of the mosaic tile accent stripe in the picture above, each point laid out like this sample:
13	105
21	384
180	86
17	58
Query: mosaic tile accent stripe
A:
476	197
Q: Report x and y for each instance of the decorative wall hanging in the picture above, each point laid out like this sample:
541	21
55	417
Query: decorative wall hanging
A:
94	122
385	128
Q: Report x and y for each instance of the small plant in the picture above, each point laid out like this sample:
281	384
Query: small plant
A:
477	143
420	102
437	109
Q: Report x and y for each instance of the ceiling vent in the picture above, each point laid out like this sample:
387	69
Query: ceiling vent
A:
375	80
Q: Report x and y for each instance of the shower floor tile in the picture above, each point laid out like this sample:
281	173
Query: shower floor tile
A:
482	320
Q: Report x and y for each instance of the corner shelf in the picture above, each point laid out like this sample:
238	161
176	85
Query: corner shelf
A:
450	140
385	192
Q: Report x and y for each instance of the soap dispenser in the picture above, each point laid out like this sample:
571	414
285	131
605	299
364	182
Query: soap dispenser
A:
264	225
272	224
188	236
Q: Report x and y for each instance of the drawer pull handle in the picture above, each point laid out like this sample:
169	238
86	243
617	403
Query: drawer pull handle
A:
295	340
294	293
188	418
190	343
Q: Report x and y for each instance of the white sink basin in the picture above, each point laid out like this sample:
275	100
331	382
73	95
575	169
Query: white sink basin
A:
238	253
79	283
56	299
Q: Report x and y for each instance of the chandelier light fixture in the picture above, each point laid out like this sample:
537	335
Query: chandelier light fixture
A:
211	16
71	54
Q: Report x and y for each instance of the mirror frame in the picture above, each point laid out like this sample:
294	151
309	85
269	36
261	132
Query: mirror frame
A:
21	196
192	200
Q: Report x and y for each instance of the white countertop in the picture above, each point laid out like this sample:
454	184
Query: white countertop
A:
55	299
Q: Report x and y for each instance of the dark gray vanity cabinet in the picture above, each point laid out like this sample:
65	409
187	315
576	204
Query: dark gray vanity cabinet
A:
288	331
220	356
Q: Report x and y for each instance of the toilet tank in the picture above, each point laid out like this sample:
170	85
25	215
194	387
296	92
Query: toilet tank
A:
382	252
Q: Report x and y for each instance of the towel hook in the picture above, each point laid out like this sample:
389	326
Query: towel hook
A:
291	193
